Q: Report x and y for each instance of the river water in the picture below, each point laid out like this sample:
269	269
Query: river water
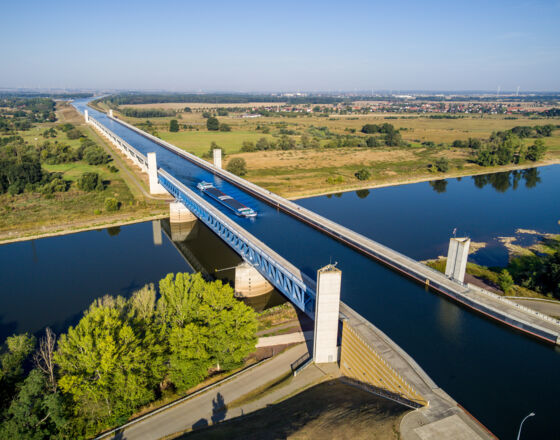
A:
495	373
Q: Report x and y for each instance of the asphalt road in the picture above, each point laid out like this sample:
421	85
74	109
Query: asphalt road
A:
208	408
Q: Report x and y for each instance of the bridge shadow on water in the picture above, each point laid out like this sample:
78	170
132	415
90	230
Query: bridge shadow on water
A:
330	409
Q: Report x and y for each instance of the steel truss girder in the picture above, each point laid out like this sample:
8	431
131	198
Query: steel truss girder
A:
279	276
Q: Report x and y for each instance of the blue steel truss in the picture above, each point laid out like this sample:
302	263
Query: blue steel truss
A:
297	291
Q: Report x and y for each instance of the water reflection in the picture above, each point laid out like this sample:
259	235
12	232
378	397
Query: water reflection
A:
439	186
208	254
503	181
362	193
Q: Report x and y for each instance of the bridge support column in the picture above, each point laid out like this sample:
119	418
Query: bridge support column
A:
179	213
155	187
156	228
217	157
111	112
249	282
86	116
457	257
327	304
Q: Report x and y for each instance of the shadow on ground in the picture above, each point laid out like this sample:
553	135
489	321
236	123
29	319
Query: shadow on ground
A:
328	410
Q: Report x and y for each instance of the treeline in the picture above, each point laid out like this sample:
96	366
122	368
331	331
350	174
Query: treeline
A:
214	98
27	95
123	354
505	147
20	162
147	113
21	113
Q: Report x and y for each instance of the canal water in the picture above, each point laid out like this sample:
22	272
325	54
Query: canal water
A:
496	374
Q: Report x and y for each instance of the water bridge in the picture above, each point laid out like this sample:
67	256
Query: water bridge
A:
281	240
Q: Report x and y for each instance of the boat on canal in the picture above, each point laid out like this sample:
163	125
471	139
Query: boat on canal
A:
229	202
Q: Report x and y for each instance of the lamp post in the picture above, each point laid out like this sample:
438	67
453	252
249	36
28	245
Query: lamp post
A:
521	425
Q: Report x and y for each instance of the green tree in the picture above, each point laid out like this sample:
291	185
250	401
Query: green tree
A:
112	204
238	166
371	142
90	182
370	129
536	151
16	350
35	413
105	365
225	127
173	126
212	124
248	146
207	327
362	174
505	281
442	164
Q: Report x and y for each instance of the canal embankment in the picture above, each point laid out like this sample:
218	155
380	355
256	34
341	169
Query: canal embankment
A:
441	417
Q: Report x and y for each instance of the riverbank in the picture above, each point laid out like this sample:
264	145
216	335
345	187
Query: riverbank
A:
418	179
81	226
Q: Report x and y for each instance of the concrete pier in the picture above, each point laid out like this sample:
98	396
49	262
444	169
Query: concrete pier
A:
86	116
327	304
179	213
111	113
249	282
155	187
217	157
457	257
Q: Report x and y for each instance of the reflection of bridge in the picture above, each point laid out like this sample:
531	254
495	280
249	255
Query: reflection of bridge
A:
295	283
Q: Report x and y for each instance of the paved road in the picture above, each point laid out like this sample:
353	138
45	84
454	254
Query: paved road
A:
207	408
551	308
288	338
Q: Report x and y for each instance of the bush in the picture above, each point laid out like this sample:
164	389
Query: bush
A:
225	127
112	204
505	281
371	142
248	147
113	169
173	126
212	124
362	174
442	165
74	133
237	166
90	182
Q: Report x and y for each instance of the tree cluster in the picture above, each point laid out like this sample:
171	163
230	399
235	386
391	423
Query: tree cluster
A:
123	354
147	112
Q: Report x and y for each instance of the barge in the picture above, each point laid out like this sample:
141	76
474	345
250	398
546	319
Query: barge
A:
229	202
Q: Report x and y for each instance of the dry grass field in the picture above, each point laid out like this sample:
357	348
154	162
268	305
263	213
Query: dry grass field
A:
299	172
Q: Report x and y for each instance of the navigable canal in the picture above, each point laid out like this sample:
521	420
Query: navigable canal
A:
498	375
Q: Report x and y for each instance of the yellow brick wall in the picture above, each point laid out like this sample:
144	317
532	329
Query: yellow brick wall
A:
360	362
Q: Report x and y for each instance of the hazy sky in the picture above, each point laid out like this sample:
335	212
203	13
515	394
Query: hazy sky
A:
281	45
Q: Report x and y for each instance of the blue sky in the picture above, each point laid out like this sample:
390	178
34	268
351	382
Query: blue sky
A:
281	46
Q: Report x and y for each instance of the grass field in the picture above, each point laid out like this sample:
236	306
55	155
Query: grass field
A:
29	213
304	172
198	142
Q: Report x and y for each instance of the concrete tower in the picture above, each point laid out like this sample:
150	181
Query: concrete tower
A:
86	116
217	157
155	187
327	304
457	257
